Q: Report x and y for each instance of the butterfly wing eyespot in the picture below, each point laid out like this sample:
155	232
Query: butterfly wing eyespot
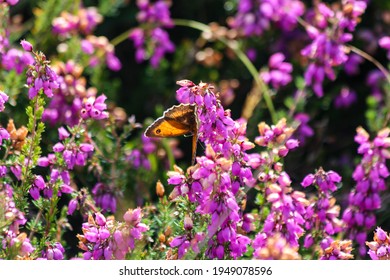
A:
167	128
178	120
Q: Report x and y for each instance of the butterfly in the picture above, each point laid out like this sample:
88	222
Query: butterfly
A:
177	121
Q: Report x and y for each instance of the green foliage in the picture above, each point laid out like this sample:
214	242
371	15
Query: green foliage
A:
44	15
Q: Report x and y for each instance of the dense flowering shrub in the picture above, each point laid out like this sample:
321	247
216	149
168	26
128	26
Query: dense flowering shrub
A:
275	90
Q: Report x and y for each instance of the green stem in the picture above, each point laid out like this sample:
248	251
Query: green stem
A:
31	148
35	223
243	58
120	38
168	149
372	60
264	91
384	71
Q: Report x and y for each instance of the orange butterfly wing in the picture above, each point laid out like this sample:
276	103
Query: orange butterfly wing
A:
167	128
177	121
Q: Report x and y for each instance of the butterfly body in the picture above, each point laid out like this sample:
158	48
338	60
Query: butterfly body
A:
178	120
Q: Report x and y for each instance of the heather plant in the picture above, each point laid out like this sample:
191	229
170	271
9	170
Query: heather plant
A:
271	90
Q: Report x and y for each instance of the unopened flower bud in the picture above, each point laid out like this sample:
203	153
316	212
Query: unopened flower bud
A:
160	190
26	46
188	223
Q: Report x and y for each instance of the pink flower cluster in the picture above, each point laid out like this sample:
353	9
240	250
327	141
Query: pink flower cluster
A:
40	76
100	48
15	243
329	31
379	248
66	104
17	60
94	108
287	207
369	176
278	73
254	17
105	197
107	239
10	2
84	22
152	42
219	176
322	215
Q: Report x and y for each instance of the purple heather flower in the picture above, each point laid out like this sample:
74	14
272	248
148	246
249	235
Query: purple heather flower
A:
26	46
218	176
247	222
308	180
287	211
369	175
3	171
251	54
274	248
4	43
336	250
54	252
113	62
17	243
72	153
41	77
384	43
3	135
84	22
58	148
138	37
104	197
38	186
287	207
94	108
327	48
345	99
72	206
17	171
10	2
154	17
278	73
100	219
303	131
65	106
255	16
138	159
63	133
182	245
50	159
322	214
269	135
99	50
3	99
17	60
326	181
375	79
86	148
102	240
65	189
87	47
379	248
351	66
13	216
